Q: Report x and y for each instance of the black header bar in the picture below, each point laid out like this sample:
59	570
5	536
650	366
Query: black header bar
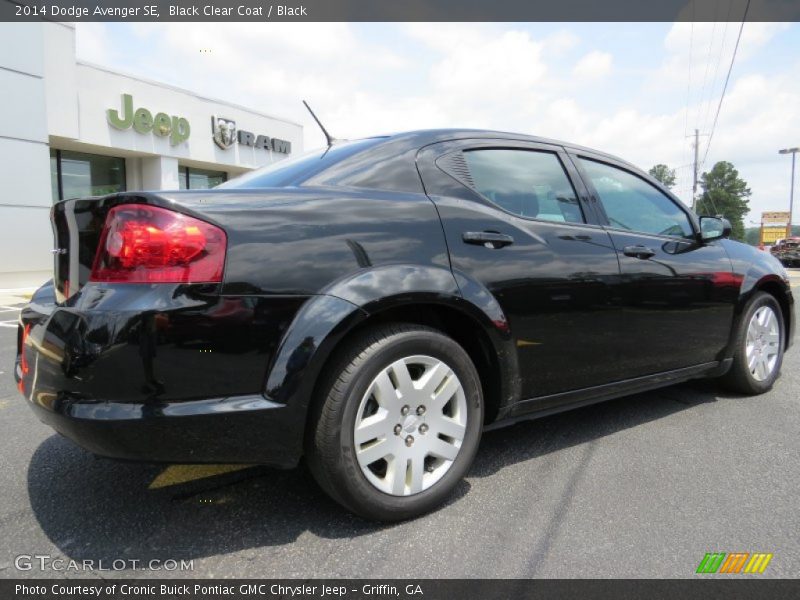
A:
400	10
738	588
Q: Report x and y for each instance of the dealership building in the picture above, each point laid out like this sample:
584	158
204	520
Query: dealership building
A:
70	129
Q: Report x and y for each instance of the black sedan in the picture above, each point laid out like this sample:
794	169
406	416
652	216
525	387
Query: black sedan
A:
375	305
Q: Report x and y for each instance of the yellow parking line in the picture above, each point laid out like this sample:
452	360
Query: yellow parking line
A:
523	343
175	474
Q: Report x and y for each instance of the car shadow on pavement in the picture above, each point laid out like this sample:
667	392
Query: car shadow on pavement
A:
531	439
98	509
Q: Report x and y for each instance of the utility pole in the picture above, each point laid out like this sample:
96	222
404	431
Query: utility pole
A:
694	185
793	152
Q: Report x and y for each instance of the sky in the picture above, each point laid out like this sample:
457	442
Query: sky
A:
636	90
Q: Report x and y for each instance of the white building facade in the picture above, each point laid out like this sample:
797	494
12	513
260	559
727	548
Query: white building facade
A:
70	129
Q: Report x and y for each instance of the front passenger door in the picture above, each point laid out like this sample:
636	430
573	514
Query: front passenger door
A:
677	293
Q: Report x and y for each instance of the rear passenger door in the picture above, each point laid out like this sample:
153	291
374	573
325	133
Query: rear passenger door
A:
516	222
677	293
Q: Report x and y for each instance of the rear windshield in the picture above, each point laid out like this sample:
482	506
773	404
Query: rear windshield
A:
297	169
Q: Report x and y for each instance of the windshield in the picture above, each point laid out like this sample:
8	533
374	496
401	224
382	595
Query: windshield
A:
297	169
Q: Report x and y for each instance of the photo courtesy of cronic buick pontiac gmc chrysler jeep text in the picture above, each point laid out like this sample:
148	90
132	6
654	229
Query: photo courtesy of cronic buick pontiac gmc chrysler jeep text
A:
373	306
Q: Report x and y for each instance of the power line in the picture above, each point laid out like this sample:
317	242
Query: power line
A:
705	72
727	79
716	67
689	78
688	85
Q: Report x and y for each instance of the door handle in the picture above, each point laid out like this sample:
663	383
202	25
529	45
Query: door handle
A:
642	252
488	239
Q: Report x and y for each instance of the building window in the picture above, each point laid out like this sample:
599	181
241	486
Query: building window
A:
55	178
76	174
200	179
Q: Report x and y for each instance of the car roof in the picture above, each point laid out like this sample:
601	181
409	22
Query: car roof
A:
424	137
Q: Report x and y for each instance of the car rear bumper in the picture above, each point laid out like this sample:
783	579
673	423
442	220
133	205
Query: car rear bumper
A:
160	373
240	429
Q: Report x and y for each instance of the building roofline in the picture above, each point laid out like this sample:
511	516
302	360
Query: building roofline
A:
175	88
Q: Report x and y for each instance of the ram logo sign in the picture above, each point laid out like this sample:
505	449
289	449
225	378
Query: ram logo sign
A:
224	133
734	562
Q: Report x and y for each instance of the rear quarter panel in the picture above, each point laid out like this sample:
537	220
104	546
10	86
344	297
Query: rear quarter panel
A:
299	241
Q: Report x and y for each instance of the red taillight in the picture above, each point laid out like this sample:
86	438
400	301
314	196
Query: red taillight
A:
24	367
147	244
23	361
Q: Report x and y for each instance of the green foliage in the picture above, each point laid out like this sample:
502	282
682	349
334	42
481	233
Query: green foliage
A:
664	174
726	194
752	235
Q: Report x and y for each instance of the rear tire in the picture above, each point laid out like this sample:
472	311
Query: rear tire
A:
396	423
760	342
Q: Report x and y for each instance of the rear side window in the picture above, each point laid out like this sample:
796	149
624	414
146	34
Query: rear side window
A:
632	203
527	183
297	169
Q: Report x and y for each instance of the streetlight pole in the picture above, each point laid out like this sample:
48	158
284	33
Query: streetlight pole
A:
793	152
696	151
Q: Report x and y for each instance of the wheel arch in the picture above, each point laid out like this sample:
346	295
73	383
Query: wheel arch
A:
490	353
774	286
426	295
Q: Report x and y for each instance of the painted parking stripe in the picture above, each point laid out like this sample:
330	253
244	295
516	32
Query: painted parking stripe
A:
9	325
177	474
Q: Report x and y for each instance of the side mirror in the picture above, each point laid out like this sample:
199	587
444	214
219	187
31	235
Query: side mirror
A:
714	228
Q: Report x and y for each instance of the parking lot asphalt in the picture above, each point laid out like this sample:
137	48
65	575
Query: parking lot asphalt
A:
642	486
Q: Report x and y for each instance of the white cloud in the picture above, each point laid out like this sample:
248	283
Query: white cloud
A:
492	68
594	65
561	42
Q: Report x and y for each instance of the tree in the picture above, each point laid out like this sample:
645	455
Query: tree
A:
726	194
664	174
752	235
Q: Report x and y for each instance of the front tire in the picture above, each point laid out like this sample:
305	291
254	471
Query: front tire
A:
397	422
760	342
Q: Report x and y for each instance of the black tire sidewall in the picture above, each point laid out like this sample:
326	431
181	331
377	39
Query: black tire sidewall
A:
740	359
356	490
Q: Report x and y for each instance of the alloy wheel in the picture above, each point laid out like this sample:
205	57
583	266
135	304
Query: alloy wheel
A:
410	425
763	343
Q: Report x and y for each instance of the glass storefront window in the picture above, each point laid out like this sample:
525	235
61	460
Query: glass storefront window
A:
200	179
76	174
54	185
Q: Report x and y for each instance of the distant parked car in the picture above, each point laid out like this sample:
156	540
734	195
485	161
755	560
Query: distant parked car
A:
787	251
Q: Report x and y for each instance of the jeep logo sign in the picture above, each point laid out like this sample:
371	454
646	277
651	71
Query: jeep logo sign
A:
143	121
224	130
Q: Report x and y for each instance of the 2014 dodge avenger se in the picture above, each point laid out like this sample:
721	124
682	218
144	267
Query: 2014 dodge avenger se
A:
375	305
